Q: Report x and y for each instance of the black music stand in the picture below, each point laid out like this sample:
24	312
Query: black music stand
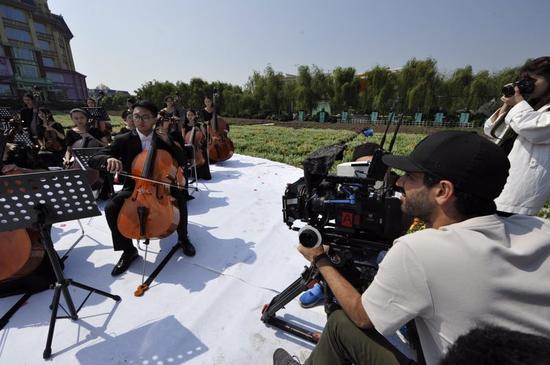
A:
41	199
82	157
5	115
97	113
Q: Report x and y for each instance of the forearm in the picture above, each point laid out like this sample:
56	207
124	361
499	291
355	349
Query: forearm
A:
347	296
534	125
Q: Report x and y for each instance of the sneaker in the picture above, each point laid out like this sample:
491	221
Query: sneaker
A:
281	357
312	297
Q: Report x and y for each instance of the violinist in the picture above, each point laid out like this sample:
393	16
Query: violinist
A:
171	111
82	134
51	138
29	113
119	157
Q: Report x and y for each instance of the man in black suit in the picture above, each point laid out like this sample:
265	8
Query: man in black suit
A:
119	157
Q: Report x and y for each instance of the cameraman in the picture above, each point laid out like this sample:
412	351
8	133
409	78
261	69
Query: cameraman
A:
528	185
470	267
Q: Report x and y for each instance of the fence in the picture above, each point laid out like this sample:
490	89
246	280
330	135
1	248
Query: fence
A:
416	120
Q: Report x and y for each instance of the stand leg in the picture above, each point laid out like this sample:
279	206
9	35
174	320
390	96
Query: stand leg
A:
6	317
269	311
94	290
55	304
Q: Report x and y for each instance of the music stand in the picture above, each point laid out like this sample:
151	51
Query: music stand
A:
97	113
5	115
82	157
41	199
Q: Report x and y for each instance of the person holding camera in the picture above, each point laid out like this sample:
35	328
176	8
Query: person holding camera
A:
469	267
527	113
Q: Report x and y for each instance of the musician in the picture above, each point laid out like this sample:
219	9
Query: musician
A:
119	157
82	135
203	172
29	113
208	111
128	122
528	185
130	103
51	138
170	111
91	103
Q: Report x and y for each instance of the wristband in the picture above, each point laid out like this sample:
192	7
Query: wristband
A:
317	258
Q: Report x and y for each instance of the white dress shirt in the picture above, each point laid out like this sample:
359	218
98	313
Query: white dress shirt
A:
145	140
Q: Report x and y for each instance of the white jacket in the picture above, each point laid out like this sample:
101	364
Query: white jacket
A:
528	186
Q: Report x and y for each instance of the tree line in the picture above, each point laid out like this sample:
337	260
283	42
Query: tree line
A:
416	87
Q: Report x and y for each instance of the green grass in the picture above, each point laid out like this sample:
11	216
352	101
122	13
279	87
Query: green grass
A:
66	122
291	146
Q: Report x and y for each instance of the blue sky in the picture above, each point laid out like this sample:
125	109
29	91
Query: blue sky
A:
124	43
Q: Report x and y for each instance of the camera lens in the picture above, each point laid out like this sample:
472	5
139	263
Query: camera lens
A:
309	237
508	90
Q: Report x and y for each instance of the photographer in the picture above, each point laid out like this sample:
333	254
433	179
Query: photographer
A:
528	185
470	267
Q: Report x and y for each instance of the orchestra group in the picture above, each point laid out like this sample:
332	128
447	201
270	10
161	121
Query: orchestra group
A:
482	261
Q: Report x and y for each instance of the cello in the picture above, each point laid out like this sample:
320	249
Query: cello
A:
196	137
151	212
220	147
21	250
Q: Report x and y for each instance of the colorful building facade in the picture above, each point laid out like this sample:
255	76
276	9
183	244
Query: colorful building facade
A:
35	53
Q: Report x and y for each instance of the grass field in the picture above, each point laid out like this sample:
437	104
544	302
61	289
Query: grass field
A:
291	146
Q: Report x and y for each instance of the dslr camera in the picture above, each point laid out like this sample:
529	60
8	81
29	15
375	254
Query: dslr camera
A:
525	86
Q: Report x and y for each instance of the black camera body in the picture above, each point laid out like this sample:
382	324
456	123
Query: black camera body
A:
355	214
525	86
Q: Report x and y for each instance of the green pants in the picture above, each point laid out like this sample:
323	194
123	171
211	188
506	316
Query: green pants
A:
342	342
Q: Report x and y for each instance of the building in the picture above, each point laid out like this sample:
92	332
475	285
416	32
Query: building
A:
35	53
106	90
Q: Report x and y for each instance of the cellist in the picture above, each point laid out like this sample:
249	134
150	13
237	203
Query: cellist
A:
119	157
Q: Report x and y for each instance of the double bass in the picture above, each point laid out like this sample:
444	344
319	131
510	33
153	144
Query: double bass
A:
220	147
197	138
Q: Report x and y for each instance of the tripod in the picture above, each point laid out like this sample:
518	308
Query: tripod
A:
37	200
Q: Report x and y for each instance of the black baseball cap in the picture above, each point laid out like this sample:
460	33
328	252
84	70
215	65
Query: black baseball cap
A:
472	163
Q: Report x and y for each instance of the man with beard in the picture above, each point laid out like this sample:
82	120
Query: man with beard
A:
471	267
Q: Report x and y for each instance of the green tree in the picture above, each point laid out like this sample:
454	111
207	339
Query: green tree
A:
345	88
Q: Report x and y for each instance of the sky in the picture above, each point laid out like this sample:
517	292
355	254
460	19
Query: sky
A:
125	43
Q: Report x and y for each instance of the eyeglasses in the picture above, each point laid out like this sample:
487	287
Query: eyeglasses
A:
145	118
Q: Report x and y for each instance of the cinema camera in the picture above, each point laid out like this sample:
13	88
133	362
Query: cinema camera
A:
356	212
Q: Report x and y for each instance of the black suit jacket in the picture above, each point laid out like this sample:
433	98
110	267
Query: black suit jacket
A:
125	147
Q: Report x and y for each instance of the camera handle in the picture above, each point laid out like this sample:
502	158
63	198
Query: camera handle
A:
309	277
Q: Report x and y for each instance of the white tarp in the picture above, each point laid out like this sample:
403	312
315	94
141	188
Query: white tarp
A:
200	310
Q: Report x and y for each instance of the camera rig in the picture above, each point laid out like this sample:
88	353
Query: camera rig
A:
358	217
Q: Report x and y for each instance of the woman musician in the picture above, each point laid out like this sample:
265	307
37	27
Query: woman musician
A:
51	138
203	171
527	113
119	156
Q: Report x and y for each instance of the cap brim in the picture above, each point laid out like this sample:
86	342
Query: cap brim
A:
401	163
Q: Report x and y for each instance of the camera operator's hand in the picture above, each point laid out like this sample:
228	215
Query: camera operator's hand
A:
512	100
311	253
114	165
